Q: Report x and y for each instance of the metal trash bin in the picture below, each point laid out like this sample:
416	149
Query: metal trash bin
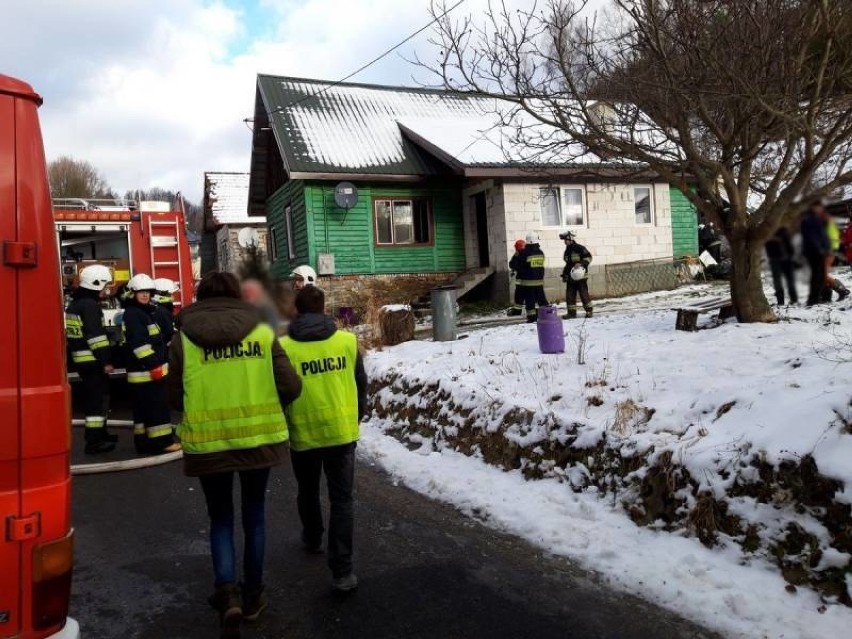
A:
444	327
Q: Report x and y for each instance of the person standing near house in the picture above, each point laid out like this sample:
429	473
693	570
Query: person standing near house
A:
780	253
815	247
231	380
518	306
575	274
255	293
529	266
324	428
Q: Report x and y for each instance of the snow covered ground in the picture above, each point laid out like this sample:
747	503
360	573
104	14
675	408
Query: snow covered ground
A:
723	404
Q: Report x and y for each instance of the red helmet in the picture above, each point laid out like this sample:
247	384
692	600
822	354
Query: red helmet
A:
520	245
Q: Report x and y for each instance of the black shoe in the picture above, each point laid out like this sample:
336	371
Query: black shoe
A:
110	437
102	446
842	294
346	583
531	320
255	602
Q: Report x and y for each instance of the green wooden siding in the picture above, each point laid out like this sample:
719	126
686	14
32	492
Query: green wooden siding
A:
349	236
684	225
291	194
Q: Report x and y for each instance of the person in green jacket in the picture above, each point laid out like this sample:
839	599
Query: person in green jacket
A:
324	428
231	380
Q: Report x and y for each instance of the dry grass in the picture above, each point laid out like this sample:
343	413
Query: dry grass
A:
629	417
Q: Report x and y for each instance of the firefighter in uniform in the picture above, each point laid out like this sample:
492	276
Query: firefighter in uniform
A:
575	275
529	266
89	354
164	299
231	380
518	301
146	337
324	428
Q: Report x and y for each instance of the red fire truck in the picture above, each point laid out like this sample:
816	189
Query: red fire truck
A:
129	237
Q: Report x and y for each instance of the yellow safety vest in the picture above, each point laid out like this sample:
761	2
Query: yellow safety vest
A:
833	235
230	400
326	413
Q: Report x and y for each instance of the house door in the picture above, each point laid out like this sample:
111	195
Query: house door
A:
482	228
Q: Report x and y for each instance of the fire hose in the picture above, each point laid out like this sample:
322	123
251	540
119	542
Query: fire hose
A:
125	464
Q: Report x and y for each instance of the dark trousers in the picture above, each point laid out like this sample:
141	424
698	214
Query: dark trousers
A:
94	394
816	262
151	410
218	492
572	289
533	296
783	271
338	462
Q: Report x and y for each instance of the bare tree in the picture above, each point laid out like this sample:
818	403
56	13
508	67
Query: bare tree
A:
743	105
76	178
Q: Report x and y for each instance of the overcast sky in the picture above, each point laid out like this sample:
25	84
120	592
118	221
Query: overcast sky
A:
153	92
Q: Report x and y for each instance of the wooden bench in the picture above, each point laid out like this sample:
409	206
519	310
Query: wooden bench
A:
687	316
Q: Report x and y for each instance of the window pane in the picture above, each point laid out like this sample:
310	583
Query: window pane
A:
403	222
384	233
421	222
572	206
549	201
642	202
291	241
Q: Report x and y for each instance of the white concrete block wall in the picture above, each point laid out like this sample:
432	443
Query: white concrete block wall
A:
610	231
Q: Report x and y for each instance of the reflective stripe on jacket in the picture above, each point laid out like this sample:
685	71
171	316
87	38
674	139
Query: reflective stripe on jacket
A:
326	413
230	399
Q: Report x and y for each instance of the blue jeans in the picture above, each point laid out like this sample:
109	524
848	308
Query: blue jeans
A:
218	489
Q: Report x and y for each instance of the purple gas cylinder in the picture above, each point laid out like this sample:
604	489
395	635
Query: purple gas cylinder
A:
551	339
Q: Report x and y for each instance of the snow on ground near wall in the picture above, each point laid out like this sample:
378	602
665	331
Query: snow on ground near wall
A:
786	389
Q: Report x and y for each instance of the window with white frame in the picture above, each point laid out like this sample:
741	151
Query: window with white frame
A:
402	221
643	204
291	240
562	206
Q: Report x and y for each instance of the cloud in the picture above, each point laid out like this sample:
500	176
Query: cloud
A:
154	92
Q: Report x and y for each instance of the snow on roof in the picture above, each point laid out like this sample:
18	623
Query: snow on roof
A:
325	128
226	198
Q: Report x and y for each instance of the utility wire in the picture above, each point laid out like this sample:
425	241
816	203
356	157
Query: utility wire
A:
370	63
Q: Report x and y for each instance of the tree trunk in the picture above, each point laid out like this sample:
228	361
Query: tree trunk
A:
747	294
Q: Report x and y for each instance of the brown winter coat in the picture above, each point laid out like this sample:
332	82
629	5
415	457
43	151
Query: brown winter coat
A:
220	322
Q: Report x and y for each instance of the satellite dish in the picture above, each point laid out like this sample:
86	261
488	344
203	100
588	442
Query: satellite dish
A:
346	195
248	237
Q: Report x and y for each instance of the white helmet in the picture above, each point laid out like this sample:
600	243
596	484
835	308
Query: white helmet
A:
140	283
532	237
165	285
95	277
578	272
306	273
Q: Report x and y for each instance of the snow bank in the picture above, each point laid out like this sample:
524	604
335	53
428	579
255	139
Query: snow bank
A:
746	426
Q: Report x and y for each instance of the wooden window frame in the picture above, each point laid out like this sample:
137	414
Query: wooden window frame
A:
430	220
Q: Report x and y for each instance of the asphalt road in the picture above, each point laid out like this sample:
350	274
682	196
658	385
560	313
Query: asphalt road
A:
143	571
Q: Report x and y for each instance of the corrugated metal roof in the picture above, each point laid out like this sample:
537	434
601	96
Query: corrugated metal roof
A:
226	198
